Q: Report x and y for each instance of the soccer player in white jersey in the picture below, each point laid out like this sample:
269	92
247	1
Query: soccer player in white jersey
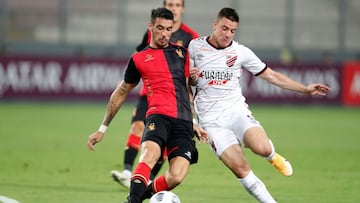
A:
222	111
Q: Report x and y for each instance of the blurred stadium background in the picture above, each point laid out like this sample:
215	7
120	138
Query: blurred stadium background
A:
97	36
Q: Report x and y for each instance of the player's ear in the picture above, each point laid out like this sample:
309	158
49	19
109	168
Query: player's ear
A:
150	26
214	24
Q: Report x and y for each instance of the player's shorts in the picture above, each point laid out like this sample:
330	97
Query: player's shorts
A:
229	130
141	108
174	134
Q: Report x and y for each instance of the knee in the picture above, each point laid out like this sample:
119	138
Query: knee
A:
241	171
262	149
137	128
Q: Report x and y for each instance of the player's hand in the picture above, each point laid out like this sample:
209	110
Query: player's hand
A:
318	89
200	134
94	139
194	75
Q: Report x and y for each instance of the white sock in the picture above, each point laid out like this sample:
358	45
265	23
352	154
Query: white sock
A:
256	188
271	156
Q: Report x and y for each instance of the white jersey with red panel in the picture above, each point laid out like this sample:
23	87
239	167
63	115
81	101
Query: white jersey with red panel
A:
218	90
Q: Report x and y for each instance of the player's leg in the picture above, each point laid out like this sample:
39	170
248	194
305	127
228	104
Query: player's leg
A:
156	131
234	159
226	146
255	138
178	168
151	152
158	166
182	152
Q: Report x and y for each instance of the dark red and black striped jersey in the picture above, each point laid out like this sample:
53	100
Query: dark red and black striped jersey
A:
163	73
181	37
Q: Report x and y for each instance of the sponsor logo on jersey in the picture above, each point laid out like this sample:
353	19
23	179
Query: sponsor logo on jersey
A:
149	57
217	82
199	56
216	77
205	49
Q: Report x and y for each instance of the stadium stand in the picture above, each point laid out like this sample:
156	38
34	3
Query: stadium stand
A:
114	27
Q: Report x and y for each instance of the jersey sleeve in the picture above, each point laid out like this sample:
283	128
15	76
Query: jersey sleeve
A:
191	54
195	35
187	64
132	75
192	32
252	63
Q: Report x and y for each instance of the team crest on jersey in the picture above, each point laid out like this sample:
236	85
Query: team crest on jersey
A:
230	60
149	57
151	126
179	53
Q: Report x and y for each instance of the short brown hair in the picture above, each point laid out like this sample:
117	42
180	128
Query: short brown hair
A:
228	13
161	13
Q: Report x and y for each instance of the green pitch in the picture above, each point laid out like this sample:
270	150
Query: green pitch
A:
44	158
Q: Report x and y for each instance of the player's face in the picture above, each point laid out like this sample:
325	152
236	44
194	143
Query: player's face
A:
161	32
176	7
224	32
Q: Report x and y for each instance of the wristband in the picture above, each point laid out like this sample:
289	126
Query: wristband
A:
103	128
194	121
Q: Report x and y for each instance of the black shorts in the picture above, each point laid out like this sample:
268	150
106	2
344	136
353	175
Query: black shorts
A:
141	108
174	134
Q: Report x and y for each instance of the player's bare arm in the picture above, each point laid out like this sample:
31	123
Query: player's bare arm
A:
283	81
116	100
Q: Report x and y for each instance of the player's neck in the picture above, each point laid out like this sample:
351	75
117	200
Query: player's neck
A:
212	42
177	25
157	46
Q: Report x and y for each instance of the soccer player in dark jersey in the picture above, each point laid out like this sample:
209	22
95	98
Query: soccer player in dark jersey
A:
164	69
181	35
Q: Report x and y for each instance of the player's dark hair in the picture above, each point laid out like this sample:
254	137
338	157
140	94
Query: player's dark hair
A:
228	13
161	13
183	3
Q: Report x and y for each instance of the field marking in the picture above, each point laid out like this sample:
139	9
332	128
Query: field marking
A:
8	200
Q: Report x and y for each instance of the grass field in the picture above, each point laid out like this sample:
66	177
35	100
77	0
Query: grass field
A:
44	158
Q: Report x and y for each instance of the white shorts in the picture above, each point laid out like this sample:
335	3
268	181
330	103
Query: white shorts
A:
228	130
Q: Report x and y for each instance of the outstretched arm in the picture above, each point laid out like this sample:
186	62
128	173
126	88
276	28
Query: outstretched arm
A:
285	82
116	100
